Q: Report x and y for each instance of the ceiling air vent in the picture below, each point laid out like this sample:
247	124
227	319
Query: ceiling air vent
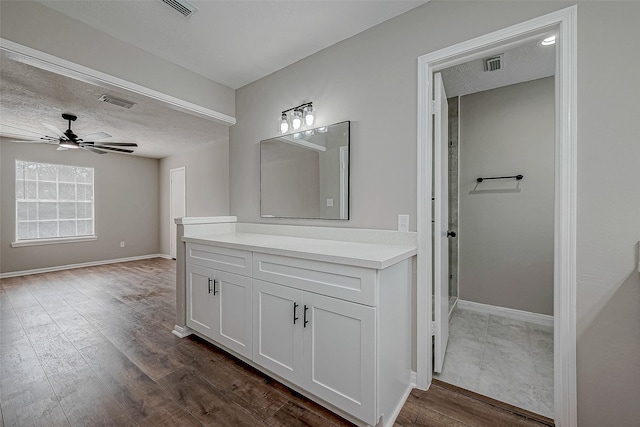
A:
117	101
185	8
494	63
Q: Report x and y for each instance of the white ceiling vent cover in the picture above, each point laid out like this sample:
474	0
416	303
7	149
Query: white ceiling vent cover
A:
116	101
494	63
183	7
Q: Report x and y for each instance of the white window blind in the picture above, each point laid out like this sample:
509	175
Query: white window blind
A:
53	201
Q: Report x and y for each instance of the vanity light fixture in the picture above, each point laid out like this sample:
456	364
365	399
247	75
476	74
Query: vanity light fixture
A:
303	114
549	41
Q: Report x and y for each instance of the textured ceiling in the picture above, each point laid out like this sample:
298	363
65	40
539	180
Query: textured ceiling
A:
30	96
525	62
233	42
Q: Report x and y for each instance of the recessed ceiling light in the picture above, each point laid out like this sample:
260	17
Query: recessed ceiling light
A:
549	41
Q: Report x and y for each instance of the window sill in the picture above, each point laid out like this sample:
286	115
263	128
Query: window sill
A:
38	242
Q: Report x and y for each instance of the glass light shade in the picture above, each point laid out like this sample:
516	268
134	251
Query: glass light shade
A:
284	124
296	121
68	145
309	132
549	41
309	115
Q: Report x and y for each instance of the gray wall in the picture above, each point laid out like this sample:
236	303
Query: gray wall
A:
126	207
290	180
371	79
207	182
506	227
38	27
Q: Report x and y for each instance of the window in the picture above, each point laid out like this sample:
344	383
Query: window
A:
53	202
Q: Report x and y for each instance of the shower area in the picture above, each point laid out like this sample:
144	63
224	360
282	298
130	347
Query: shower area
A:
453	199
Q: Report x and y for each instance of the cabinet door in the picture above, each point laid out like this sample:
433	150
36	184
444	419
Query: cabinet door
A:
339	354
277	337
200	309
232	301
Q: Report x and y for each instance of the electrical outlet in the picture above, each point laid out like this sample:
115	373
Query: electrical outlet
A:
403	223
122	244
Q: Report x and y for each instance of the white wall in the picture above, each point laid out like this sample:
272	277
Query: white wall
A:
207	182
506	227
38	27
125	202
371	79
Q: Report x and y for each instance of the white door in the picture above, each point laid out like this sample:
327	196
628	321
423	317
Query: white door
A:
177	204
232	302
277	333
441	222
339	354
200	308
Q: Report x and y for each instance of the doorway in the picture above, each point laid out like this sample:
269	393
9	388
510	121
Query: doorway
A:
564	196
177	203
500	340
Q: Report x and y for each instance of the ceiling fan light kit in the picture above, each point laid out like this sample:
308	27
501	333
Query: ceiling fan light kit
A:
69	140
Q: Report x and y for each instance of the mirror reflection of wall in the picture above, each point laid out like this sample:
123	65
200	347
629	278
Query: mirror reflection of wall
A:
305	175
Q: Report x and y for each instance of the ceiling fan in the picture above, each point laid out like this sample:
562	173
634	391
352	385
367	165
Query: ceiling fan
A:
69	140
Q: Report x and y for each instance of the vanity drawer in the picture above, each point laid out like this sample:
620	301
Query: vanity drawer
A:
346	282
224	259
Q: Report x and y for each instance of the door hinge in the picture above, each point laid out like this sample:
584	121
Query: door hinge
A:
433	107
434	328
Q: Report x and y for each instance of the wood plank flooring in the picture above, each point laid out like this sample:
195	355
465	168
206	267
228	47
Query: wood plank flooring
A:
93	347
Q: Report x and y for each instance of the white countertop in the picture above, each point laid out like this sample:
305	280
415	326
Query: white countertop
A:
370	255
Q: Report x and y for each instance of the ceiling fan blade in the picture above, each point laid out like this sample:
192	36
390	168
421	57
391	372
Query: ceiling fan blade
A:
96	136
55	130
94	150
40	141
103	147
118	144
17	135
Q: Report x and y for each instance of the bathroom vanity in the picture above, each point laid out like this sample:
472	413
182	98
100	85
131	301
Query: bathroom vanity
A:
329	318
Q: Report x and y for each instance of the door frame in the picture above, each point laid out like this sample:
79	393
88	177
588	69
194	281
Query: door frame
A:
171	219
565	20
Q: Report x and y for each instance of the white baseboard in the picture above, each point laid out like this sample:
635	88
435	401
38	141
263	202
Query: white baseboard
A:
181	331
526	316
165	256
80	265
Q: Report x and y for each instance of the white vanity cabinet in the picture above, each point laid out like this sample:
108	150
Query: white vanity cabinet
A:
218	301
330	319
322	344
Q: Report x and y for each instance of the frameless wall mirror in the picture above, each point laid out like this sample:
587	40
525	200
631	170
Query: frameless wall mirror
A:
306	174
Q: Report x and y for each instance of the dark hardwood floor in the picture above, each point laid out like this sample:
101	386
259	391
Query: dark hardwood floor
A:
93	346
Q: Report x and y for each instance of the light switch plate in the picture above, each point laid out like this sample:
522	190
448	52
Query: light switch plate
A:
329	202
403	223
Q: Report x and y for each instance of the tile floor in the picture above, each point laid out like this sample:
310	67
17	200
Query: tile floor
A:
506	359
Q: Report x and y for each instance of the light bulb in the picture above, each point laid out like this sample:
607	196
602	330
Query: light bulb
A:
284	123
296	121
549	41
309	115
